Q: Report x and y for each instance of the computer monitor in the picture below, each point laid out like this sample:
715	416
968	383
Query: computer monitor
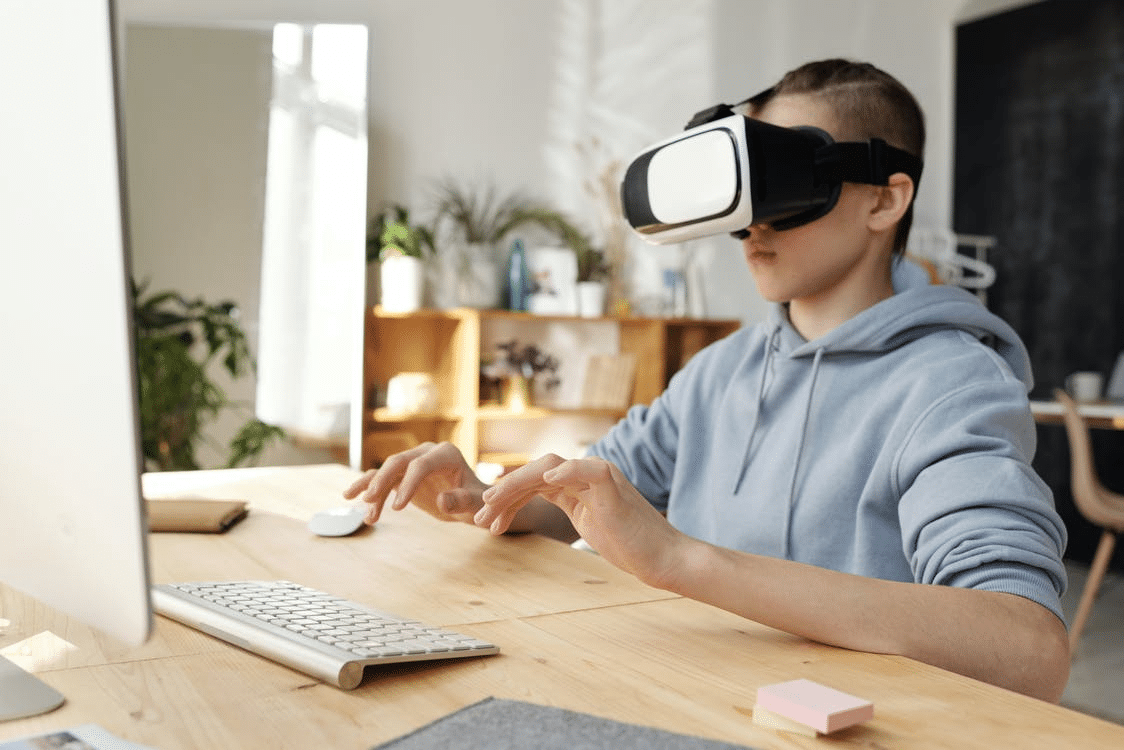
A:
72	520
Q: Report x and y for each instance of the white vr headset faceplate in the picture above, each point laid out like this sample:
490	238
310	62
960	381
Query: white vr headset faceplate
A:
698	183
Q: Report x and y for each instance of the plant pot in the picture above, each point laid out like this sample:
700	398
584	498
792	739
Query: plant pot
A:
478	277
466	275
401	278
591	299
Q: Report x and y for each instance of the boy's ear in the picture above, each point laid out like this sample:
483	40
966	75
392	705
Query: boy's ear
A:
894	200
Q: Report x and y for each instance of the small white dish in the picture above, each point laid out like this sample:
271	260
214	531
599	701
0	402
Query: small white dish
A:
341	521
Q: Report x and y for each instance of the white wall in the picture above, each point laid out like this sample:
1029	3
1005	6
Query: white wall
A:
460	88
473	101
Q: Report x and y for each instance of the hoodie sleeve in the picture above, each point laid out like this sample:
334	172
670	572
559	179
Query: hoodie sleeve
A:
648	443
973	512
643	446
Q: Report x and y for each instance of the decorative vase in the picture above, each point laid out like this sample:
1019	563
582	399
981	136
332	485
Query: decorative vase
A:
591	299
401	278
518	278
517	393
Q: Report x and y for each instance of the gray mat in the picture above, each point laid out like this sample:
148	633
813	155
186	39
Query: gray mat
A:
500	724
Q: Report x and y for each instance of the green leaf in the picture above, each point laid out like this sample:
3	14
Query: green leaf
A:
178	396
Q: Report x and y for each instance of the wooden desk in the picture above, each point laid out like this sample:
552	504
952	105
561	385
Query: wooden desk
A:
574	632
1105	415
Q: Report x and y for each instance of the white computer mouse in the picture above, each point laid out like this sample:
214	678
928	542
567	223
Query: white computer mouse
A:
340	521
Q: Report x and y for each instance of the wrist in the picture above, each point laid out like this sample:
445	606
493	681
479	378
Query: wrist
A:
681	560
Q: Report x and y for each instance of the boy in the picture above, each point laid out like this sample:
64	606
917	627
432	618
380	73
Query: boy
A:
855	470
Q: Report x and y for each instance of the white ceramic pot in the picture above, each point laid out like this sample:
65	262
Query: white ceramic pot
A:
478	276
402	280
591	299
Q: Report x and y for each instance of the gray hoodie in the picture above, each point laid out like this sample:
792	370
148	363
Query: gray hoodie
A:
898	446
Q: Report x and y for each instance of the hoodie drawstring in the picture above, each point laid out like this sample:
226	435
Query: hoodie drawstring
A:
799	453
770	349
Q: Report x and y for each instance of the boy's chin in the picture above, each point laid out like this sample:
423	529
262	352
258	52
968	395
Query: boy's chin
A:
768	294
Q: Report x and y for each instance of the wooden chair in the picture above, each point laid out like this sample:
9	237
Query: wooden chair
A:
1098	505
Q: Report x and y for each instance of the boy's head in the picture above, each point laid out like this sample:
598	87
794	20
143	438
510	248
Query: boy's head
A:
866	103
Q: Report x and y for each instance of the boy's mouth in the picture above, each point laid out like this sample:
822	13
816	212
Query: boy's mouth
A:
756	252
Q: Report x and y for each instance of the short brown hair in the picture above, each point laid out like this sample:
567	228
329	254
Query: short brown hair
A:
868	103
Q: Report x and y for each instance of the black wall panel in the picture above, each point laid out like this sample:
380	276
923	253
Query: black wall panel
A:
1040	166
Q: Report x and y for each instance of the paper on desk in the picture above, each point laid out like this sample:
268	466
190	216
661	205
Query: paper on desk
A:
83	737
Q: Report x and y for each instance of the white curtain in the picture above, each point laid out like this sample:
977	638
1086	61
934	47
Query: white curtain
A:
313	281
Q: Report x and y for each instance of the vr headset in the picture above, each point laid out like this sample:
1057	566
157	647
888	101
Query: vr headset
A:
727	171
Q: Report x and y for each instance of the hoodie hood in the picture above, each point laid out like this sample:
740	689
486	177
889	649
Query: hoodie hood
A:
916	309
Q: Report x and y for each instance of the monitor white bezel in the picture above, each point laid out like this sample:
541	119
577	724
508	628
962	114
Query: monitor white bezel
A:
74	533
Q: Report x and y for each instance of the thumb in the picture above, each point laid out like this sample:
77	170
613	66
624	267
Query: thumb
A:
458	500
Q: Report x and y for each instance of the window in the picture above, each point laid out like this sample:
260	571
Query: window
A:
313	260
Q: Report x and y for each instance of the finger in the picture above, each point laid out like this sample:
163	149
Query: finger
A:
512	492
443	460
458	502
374	511
566	497
387	477
498	511
527	478
359	484
585	471
502	522
488	515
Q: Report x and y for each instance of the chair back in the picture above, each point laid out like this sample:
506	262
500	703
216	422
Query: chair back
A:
1085	485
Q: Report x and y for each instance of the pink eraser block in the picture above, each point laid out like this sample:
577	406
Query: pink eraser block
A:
818	706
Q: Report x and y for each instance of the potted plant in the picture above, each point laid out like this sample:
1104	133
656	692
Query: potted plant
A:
472	223
481	219
517	369
592	268
593	271
178	341
400	246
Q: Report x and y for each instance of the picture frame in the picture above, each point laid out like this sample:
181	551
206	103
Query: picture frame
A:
554	279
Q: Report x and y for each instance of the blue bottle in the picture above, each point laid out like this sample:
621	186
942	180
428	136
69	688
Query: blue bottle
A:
518	277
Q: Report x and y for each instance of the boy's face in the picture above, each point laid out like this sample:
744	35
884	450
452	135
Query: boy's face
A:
824	256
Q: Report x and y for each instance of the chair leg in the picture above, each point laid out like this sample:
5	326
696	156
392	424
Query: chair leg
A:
1092	585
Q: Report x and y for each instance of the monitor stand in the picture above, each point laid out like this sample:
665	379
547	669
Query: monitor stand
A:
23	694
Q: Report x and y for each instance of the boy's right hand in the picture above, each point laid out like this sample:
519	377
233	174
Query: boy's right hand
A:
433	476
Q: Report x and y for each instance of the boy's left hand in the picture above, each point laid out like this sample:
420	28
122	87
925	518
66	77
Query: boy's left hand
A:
603	506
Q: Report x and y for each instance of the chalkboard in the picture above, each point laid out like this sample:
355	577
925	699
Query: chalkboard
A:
1040	166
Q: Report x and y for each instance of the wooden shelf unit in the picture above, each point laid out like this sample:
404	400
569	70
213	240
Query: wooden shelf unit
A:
446	344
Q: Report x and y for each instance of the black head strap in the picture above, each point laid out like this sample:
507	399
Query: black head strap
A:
710	114
869	162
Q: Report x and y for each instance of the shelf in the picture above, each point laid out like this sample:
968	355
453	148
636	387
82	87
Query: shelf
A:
386	416
497	413
507	460
446	344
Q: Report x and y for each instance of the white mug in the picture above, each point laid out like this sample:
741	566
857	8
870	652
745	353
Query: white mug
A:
1085	386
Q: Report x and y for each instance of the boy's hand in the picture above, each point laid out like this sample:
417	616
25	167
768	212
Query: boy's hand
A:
434	477
603	506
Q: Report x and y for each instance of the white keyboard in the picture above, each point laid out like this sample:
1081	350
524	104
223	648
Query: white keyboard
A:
324	636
